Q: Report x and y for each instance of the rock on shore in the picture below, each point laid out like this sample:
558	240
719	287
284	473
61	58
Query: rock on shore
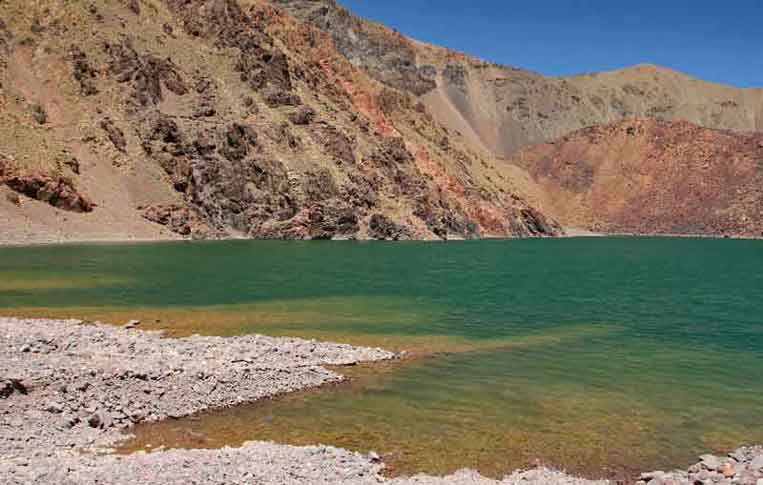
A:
743	466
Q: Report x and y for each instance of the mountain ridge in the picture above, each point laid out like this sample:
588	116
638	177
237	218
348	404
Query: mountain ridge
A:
509	107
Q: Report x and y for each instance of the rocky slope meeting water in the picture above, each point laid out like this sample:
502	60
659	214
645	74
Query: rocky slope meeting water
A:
669	177
743	466
222	118
68	385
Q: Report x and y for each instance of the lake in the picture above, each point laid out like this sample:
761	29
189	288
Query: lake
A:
601	356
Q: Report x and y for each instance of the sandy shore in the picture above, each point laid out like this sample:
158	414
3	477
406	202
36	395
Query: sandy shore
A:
7	240
68	392
43	240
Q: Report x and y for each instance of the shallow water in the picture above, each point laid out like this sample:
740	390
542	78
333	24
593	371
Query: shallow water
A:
601	356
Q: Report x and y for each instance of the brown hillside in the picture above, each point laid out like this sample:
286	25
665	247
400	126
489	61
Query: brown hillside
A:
650	177
223	118
295	119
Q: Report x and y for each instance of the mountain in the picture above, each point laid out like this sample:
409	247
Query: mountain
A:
504	109
295	119
223	118
651	176
639	150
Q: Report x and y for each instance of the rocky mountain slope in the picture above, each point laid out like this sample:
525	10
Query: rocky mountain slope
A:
650	176
504	108
157	119
223	118
638	150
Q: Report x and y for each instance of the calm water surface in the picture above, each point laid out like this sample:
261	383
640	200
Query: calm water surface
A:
601	356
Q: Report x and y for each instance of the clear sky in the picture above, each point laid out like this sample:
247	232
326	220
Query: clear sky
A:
716	40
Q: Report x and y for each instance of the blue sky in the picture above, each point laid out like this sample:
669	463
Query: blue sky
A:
716	40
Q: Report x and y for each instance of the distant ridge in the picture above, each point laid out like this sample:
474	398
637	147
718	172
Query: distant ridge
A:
504	108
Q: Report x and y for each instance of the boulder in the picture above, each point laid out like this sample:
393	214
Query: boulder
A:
13	198
116	136
710	462
275	97
180	220
54	407
382	228
303	116
57	191
100	420
11	386
728	470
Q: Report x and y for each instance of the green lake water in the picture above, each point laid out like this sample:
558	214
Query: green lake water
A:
602	356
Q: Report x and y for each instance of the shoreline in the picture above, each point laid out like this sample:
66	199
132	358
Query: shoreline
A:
45	242
69	391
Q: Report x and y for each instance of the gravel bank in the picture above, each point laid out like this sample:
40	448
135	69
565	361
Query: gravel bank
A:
69	390
743	467
255	463
74	386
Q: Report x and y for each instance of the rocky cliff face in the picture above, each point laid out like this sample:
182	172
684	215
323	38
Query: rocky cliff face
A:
652	177
505	109
386	55
229	118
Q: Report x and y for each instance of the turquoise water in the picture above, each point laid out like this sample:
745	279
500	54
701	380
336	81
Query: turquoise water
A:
602	356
